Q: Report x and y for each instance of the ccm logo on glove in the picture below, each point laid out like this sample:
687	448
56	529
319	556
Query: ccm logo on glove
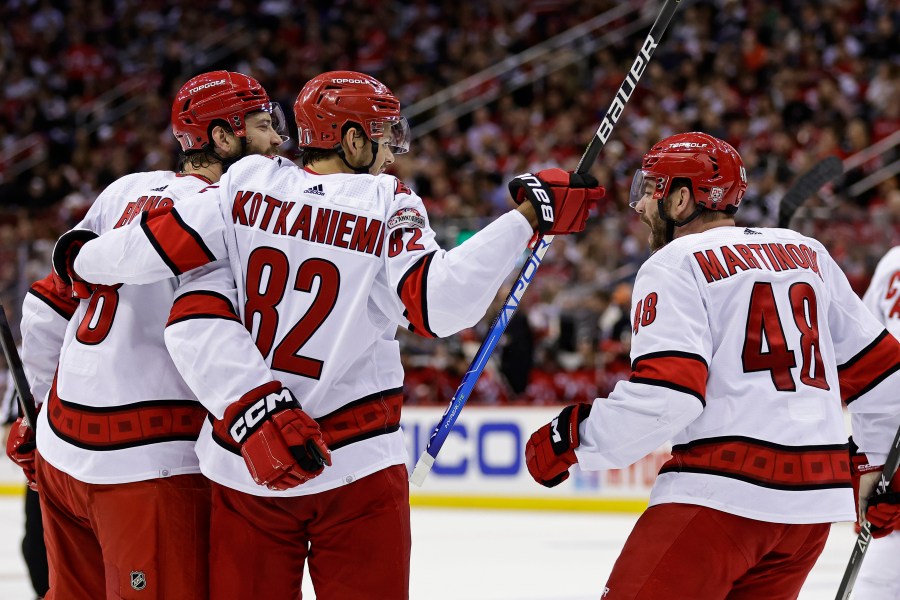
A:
252	417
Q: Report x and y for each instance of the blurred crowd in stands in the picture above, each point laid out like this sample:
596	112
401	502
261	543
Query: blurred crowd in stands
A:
87	88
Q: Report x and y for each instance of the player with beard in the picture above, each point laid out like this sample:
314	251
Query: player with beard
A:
745	343
330	259
125	509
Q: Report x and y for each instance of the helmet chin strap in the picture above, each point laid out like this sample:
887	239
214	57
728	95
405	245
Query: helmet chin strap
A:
228	161
671	223
359	170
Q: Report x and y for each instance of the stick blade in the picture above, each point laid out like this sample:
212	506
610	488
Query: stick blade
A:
807	186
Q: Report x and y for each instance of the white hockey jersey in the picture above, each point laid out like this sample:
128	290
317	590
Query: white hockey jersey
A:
45	317
745	342
327	267
117	409
883	295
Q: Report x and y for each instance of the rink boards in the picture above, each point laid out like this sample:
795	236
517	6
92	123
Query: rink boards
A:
482	465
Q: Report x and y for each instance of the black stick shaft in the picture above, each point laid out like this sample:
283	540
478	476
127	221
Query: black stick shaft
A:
442	430
14	362
628	86
865	534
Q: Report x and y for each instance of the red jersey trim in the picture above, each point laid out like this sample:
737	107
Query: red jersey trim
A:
413	292
201	305
45	291
872	365
180	247
125	426
763	463
197	175
680	371
367	417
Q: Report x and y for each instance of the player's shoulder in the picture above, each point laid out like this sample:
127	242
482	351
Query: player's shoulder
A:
261	164
140	181
135	185
396	186
185	183
891	259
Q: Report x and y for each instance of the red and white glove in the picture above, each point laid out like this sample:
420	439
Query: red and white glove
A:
561	199
65	250
550	450
882	511
20	448
281	445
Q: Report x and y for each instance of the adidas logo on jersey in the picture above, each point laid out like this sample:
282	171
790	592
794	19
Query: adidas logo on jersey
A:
749	231
318	190
159	189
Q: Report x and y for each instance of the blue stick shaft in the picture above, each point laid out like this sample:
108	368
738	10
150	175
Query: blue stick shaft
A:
526	275
439	436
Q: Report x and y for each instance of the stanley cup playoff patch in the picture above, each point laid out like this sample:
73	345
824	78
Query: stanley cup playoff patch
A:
138	580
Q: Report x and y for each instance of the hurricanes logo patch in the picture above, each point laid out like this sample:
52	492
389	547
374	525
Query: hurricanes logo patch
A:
406	217
138	580
716	194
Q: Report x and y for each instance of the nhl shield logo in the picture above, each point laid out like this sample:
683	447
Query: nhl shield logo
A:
138	580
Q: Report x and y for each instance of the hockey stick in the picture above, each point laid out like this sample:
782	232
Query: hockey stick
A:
526	275
14	363
807	185
865	532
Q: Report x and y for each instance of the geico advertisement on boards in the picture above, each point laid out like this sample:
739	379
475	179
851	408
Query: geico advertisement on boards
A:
484	454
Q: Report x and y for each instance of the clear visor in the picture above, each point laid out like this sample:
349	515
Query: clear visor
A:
645	182
398	135
279	124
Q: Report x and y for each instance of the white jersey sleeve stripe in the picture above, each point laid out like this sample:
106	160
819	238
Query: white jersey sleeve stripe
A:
202	305
177	243
413	292
43	291
875	363
675	370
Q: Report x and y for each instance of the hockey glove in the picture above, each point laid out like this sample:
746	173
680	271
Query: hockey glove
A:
562	200
64	252
281	445
551	449
20	448
882	511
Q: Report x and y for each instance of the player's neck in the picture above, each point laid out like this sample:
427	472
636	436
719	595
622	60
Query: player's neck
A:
329	166
211	171
701	226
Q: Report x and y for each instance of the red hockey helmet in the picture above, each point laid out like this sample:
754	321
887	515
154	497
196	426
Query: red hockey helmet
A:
715	169
331	100
219	95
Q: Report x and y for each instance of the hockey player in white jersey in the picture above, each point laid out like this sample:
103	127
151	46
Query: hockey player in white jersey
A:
125	507
329	259
878	576
745	342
